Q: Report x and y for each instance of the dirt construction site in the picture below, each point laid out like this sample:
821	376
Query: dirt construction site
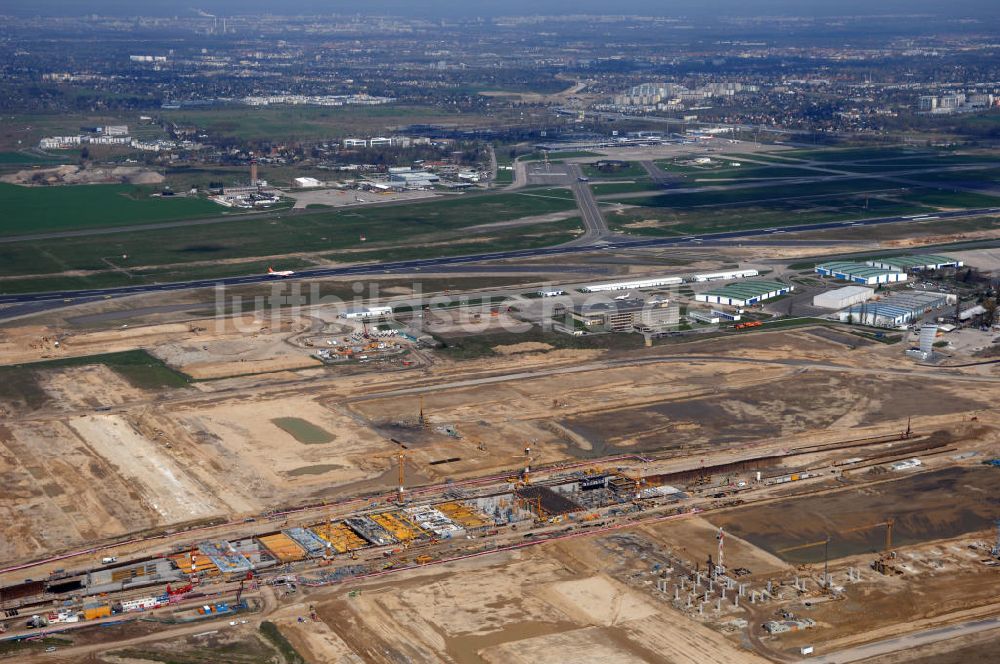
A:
790	441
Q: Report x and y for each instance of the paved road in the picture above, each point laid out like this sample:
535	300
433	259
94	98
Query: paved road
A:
593	220
430	263
908	641
658	175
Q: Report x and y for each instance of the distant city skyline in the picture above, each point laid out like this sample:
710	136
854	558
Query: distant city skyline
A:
444	8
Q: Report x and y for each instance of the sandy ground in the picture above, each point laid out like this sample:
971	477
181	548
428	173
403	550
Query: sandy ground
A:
277	462
540	606
164	487
71	174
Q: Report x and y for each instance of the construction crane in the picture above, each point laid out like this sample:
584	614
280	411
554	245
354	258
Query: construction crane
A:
826	556
526	473
400	460
888	523
719	567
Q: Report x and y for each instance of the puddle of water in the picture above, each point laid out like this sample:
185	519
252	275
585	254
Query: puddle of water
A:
318	469
303	431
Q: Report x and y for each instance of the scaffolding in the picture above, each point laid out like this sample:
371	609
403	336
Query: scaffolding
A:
342	538
465	515
398	526
282	547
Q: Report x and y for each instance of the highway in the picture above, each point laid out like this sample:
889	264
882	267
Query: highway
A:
428	264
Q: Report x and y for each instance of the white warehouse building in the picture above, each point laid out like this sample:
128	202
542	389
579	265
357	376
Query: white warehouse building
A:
721	276
745	293
839	298
627	285
366	312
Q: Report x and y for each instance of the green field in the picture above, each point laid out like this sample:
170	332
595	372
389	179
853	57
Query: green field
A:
630	170
290	123
19	382
59	208
28	158
402	232
709	219
643	186
568	154
770	193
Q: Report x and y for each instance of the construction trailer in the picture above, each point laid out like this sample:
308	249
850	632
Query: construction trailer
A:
96	610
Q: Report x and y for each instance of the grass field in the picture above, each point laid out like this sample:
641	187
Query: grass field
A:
314	232
289	123
630	170
568	154
28	158
645	185
758	194
693	220
41	209
272	237
18	382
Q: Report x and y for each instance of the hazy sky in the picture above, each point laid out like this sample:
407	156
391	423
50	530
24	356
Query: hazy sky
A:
437	8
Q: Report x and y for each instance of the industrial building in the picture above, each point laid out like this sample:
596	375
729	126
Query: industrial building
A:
897	309
550	292
915	263
365	313
745	294
839	298
306	183
413	180
627	285
722	276
627	315
860	273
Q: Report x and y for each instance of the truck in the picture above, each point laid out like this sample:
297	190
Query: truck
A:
107	560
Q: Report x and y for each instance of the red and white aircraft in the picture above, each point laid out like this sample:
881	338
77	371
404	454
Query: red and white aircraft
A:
279	273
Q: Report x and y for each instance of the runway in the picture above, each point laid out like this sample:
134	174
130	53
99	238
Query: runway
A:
428	264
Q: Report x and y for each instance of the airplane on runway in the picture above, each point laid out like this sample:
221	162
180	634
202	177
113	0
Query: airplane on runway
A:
623	297
279	273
